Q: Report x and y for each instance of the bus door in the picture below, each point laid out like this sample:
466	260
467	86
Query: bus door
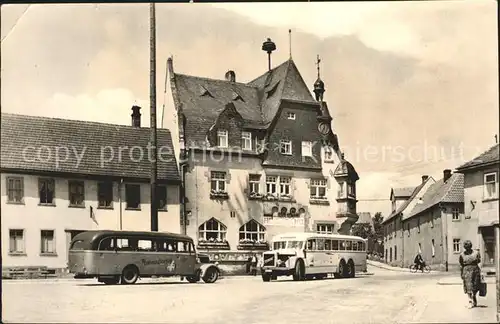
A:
186	258
321	259
311	258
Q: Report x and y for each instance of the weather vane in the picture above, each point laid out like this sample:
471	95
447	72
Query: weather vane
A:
318	60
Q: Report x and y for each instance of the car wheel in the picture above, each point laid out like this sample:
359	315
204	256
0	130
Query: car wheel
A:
130	275
266	277
211	275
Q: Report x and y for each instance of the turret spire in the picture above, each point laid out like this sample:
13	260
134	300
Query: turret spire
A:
319	86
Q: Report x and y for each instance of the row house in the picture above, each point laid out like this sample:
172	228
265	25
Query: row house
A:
437	226
481	201
258	159
61	177
403	200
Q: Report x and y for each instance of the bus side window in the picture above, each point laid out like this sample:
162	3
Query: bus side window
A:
182	246
191	248
161	246
321	244
145	245
310	245
348	246
354	246
328	245
122	245
171	246
106	244
361	246
335	245
342	245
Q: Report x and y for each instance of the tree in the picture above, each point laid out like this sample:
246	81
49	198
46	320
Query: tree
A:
374	234
362	230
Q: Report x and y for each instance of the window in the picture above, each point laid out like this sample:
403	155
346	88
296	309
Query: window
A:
145	245
312	245
390	255
252	231
328	154
133	196
46	188
348	245
212	229
341	191
286	147
285	185
254	180
324	228
246	140
161	197
455	214
418	225
490	185
419	248
351	190
290	115
335	245
433	248
222	138
432	221
105	194
15	190
218	181
47	242
321	244
16	243
328	245
395	253
456	245
318	188
271	184
183	246
76	191
306	148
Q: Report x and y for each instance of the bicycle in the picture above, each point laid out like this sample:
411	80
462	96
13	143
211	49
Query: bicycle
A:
414	268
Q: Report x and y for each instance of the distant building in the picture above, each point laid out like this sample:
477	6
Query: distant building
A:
437	226
259	159
481	200
60	177
402	202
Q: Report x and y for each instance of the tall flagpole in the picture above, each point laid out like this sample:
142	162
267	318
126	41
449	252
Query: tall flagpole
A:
152	98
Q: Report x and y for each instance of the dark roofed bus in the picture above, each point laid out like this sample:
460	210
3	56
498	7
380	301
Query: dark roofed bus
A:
124	256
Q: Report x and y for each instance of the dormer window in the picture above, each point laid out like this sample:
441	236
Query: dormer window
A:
204	92
272	90
290	115
246	140
286	147
328	154
236	97
222	138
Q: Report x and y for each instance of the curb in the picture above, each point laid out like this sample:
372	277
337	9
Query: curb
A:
489	281
385	267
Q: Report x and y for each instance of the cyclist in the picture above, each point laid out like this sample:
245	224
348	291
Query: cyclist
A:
419	262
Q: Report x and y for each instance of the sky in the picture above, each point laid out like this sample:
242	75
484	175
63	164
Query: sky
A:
412	86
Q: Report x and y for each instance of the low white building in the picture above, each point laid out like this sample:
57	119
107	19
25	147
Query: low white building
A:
60	177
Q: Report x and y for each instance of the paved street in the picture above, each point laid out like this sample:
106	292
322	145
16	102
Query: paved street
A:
384	297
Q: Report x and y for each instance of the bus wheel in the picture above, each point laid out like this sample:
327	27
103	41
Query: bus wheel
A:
130	275
299	271
342	272
211	275
266	277
351	271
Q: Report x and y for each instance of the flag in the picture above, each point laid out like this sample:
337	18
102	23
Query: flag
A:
92	215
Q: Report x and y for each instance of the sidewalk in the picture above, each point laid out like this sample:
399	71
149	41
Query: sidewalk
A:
456	280
385	266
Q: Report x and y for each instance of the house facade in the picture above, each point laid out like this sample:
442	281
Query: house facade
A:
61	177
258	159
437	226
481	194
403	200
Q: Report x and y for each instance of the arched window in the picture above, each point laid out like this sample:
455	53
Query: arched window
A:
212	229
252	231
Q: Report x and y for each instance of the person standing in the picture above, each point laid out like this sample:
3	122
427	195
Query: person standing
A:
470	272
254	265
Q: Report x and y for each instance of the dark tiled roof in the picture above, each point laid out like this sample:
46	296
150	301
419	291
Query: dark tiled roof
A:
203	99
19	132
490	156
451	191
403	192
407	202
345	168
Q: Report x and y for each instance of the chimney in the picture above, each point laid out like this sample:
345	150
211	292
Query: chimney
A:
446	174
136	116
424	178
230	76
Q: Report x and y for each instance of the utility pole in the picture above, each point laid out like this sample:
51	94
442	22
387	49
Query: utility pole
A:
152	99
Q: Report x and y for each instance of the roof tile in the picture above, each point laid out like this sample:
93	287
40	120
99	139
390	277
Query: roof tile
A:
489	156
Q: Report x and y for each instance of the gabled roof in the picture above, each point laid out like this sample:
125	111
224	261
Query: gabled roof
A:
22	136
364	218
490	156
451	191
258	101
404	205
402	192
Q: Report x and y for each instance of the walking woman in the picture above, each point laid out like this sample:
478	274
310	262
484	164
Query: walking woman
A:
470	272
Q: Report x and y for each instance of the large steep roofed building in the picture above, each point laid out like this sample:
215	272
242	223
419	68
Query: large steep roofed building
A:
259	158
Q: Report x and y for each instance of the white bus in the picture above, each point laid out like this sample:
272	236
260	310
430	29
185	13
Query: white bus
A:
312	255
